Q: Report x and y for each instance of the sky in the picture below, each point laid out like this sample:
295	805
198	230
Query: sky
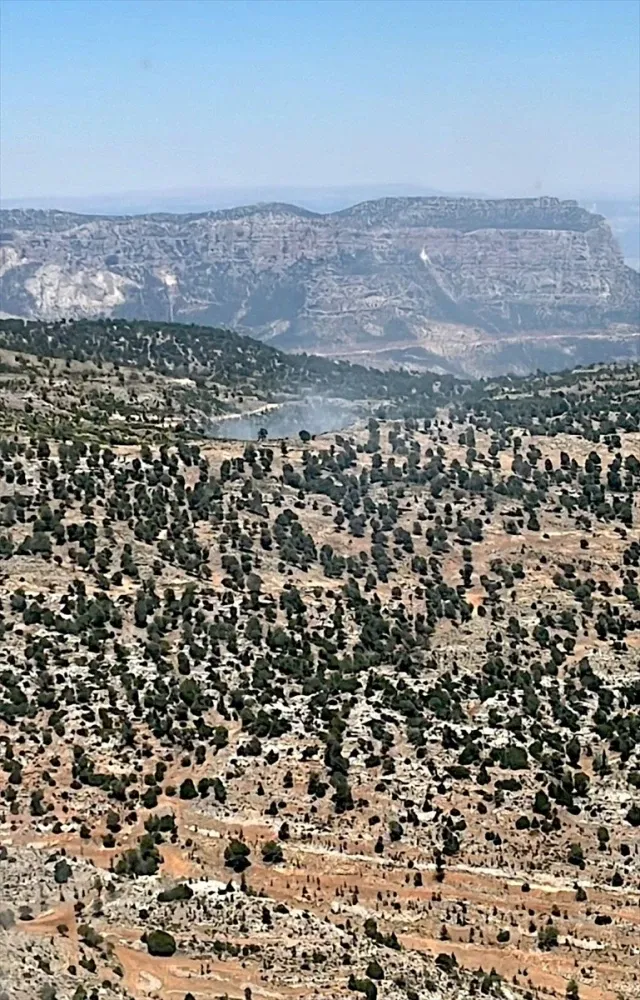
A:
508	98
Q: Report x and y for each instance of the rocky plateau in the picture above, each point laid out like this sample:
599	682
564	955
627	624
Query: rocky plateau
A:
462	285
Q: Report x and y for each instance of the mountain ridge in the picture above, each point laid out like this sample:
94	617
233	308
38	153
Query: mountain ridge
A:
407	270
567	207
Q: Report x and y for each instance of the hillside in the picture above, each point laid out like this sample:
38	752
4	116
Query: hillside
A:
479	287
315	718
237	361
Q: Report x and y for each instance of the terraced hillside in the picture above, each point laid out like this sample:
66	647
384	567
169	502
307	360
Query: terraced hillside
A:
317	717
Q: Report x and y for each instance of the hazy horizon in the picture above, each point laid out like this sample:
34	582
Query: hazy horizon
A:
131	99
315	197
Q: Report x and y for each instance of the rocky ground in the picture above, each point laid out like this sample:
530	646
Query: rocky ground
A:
356	715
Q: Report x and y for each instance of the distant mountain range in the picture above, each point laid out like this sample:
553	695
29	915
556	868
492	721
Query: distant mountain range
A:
320	199
622	214
462	284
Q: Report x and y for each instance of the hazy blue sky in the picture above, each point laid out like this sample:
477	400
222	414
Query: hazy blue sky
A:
510	97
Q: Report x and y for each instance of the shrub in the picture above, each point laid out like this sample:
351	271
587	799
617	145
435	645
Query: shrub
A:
576	856
179	891
236	856
272	853
188	789
365	986
62	872
633	816
548	937
374	970
161	944
447	963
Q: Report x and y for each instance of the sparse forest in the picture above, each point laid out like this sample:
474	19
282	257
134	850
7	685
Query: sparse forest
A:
346	714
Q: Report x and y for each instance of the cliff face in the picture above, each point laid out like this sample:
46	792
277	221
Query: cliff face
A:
383	272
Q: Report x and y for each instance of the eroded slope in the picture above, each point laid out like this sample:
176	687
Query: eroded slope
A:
363	708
